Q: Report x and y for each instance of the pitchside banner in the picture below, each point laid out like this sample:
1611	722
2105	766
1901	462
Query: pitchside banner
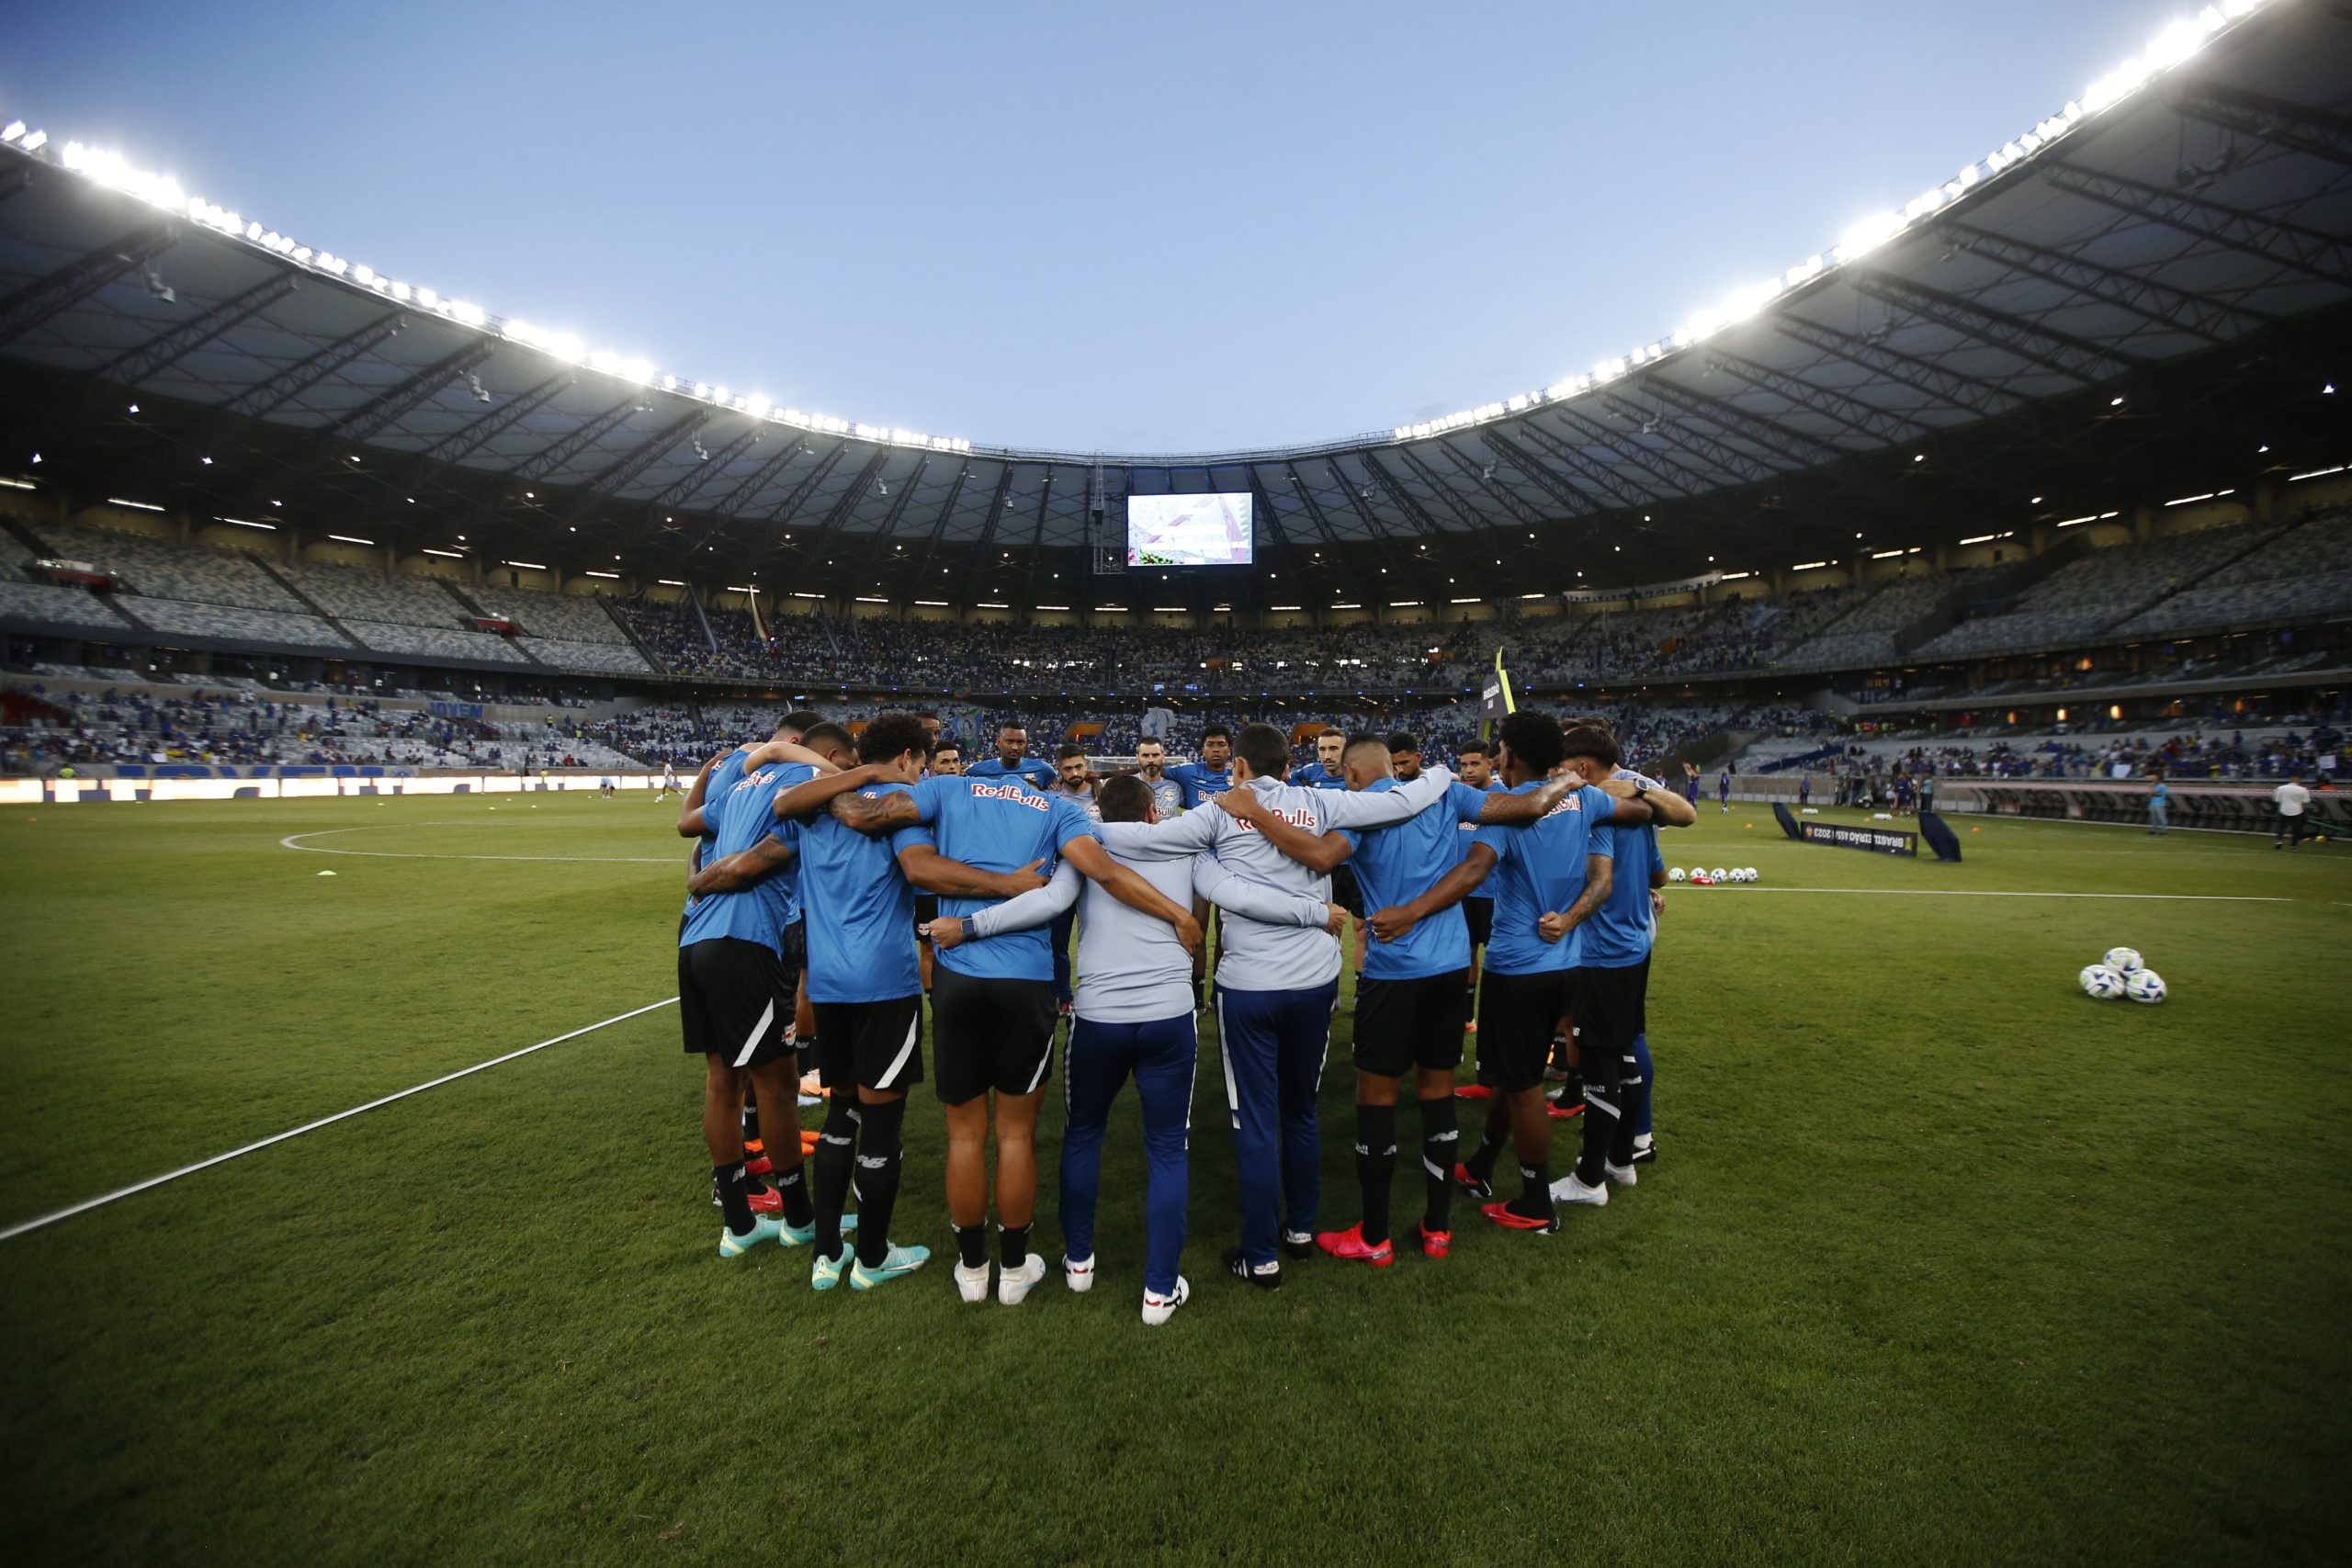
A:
1884	841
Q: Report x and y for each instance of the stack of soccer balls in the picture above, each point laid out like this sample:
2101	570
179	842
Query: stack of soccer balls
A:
1700	876
2121	974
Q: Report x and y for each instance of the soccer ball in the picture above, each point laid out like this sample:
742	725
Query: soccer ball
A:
2145	985
1738	874
1700	879
2124	958
2103	982
1754	875
1698	873
1717	874
1677	874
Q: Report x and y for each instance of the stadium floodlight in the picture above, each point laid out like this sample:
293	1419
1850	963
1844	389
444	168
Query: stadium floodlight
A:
1402	603
1465	601
243	522
2209	495
525	565
2315	474
134	505
615	576
13	131
1811	565
446	555
349	539
1540	595
1053	606
18	484
870	599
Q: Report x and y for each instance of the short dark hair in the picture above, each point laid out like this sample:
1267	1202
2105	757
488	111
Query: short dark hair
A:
1331	729
1594	721
930	714
890	735
800	721
1262	747
1125	798
825	733
1586	741
1358	743
1067	750
1467	747
1151	740
1403	740
1534	738
1209	729
1011	724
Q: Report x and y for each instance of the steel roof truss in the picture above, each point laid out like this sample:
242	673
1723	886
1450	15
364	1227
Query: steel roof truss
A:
267	397
1838	407
2301	128
2200	314
462	444
2084	361
2325	256
84	276
166	349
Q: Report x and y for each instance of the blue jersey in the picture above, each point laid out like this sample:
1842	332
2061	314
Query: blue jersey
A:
1468	834
1200	783
1166	794
1040	776
738	811
1315	775
859	908
1539	870
1621	930
1397	865
998	824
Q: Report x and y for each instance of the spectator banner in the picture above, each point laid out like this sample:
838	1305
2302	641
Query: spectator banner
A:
442	709
1880	841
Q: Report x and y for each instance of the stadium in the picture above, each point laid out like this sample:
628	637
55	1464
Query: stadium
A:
355	1206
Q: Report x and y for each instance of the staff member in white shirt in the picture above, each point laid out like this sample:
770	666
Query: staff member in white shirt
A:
2294	806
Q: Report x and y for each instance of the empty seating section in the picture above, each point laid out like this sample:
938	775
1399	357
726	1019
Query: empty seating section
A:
49	604
563	653
2093	593
1866	634
2305	571
229	623
350	592
573	617
434	642
162	569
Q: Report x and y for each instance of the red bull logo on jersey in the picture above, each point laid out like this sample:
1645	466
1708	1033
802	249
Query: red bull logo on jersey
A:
1297	817
1012	791
1573	803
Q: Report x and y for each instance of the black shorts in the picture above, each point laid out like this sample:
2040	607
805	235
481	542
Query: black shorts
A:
1480	913
1607	1005
1403	1024
1344	891
735	1001
990	1034
870	1045
1518	1015
926	912
795	948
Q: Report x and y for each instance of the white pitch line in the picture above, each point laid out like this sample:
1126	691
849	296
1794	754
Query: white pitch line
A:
88	1204
1990	893
290	841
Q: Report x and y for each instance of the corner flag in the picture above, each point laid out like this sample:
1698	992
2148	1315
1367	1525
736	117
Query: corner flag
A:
1495	701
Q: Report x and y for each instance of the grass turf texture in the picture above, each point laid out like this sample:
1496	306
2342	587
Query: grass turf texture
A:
1943	1261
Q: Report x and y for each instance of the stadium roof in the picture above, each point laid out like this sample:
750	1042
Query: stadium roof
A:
2120	306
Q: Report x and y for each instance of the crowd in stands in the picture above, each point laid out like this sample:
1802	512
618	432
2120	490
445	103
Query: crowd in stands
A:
247	728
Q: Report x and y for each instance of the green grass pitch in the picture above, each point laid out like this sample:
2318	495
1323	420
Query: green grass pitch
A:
1942	1262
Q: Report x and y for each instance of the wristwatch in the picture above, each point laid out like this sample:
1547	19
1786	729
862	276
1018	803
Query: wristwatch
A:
1641	788
969	935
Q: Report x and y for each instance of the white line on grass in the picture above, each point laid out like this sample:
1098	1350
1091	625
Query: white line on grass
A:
1990	893
291	842
88	1204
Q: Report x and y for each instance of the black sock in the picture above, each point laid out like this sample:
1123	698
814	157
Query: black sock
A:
1012	1245
1376	1165
1631	1092
1535	1191
798	1212
878	1176
1600	1123
1491	1144
734	1197
836	1151
972	1245
1441	1134
751	1121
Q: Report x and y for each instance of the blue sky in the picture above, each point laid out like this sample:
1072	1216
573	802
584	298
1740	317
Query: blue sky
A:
1090	227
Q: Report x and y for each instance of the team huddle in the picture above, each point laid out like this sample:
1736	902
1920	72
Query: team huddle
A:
841	881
